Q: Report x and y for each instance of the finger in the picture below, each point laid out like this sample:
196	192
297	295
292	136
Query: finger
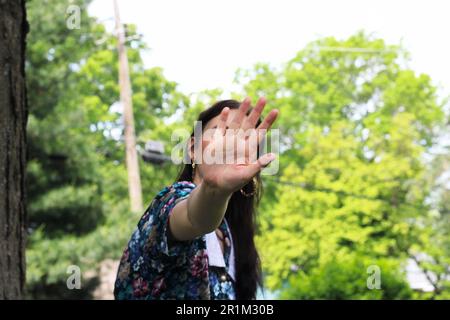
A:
264	127
269	120
266	159
222	124
255	114
259	164
240	116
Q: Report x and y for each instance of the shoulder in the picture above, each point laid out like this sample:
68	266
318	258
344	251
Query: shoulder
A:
179	188
165	199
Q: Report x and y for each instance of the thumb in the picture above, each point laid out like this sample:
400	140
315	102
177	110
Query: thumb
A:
259	164
265	159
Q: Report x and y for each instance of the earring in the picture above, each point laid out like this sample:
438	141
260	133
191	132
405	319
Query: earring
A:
248	195
193	170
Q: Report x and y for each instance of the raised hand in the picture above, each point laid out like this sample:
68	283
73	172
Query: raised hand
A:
233	147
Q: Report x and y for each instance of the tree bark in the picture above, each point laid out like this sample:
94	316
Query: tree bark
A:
13	119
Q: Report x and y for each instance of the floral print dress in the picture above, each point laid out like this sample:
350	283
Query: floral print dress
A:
154	268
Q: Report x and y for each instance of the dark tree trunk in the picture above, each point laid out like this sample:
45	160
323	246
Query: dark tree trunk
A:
13	118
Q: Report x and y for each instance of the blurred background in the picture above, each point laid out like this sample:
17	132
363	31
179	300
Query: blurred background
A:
363	92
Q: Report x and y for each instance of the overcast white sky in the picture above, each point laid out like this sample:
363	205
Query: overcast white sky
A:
201	43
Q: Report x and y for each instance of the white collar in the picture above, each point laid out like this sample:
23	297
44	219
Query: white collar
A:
215	256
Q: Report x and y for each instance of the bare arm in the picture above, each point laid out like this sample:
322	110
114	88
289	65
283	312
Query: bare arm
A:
203	210
201	213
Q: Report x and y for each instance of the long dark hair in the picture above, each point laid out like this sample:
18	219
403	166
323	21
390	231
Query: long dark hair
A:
241	217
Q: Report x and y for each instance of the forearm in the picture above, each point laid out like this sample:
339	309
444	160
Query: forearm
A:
206	207
200	213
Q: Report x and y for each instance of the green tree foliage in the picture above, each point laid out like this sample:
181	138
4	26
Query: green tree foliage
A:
345	277
61	154
77	181
435	237
351	190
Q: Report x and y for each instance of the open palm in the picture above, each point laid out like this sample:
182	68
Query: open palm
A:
230	160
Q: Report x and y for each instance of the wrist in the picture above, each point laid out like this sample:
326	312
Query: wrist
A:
214	191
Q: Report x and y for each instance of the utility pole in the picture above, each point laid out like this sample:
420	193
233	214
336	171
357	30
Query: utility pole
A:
134	180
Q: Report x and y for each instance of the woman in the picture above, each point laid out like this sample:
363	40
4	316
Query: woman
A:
195	241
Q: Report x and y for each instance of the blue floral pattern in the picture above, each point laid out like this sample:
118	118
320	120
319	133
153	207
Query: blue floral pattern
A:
152	269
